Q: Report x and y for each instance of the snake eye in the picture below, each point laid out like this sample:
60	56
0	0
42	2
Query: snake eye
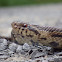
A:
25	25
15	25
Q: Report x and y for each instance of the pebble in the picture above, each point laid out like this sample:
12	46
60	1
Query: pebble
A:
48	48
19	49
26	47
3	53
4	56
13	47
57	60
39	54
3	44
59	54
33	53
11	52
44	60
50	59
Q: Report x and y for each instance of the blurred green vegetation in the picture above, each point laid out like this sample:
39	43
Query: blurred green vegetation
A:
26	2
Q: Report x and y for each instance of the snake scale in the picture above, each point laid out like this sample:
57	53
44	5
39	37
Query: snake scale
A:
35	35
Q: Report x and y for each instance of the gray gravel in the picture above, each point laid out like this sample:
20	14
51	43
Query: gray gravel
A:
25	53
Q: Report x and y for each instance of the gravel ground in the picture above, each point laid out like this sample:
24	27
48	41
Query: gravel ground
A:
12	52
44	15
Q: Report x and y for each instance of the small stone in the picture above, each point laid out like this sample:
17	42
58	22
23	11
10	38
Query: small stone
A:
59	54
26	47
38	61
50	59
44	60
57	60
19	49
2	47
13	47
3	53
23	52
4	56
33	53
48	48
3	41
11	53
3	44
39	54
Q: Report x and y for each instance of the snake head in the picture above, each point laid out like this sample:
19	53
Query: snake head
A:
19	25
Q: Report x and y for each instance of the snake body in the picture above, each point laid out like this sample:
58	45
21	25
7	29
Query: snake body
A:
36	35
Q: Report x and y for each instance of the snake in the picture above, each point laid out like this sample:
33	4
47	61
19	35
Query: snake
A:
36	35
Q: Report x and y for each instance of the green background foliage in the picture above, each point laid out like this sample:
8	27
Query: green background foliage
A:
26	2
